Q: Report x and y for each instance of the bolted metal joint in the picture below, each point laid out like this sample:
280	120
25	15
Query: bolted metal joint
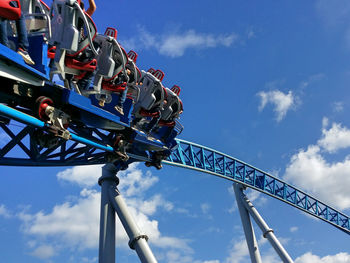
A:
108	178
132	242
267	232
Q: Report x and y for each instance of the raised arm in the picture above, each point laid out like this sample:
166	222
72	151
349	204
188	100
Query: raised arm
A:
92	7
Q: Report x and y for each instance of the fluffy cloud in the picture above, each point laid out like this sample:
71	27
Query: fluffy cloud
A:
257	198
338	106
294	229
43	252
4	212
75	224
205	207
337	137
239	252
84	176
310	170
282	102
338	258
175	44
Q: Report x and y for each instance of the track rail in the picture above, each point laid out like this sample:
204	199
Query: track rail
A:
200	158
87	147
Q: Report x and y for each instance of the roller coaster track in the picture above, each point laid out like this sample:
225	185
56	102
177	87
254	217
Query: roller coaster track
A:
87	147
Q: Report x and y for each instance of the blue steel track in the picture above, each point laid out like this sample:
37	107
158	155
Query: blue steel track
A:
89	148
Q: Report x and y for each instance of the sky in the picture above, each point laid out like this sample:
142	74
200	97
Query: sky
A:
263	81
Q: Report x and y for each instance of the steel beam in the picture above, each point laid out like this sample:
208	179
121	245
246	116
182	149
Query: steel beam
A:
247	226
111	202
267	232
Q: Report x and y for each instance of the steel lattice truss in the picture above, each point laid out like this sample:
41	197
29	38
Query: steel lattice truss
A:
203	159
20	148
88	147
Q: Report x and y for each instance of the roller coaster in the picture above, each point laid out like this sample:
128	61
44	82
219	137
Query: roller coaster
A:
71	124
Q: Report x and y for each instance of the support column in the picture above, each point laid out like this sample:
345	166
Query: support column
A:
138	241
247	227
107	181
111	202
267	232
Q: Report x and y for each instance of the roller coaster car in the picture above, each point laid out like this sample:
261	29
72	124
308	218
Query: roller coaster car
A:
111	59
111	88
168	126
173	106
73	32
29	90
10	9
152	94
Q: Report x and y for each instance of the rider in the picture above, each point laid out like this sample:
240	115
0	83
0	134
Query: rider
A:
85	82
23	43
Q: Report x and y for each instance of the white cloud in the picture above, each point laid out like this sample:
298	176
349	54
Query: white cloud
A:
133	182
310	170
238	252
294	229
175	44
338	106
338	258
44	252
75	224
311	79
84	176
282	102
256	197
337	137
205	207
4	212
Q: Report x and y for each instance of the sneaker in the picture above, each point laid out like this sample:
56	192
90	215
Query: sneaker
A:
119	109
101	103
27	59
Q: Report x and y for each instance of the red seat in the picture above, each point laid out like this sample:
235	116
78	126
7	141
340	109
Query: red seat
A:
84	66
10	9
166	123
51	52
146	113
108	85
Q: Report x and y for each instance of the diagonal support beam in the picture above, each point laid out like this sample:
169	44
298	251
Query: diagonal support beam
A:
267	232
247	227
111	203
16	140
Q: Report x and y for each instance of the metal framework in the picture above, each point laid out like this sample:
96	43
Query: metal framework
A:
246	208
111	203
89	146
200	158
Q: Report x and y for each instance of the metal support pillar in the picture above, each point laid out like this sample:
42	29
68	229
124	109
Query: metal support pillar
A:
267	232
247	227
111	202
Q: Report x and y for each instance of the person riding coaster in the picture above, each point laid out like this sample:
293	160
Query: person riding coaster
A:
71	45
125	84
111	60
168	114
151	99
133	78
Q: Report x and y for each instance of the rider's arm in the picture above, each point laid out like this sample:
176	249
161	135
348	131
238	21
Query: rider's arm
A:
92	7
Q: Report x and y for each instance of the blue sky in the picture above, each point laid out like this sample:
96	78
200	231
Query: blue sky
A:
264	81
